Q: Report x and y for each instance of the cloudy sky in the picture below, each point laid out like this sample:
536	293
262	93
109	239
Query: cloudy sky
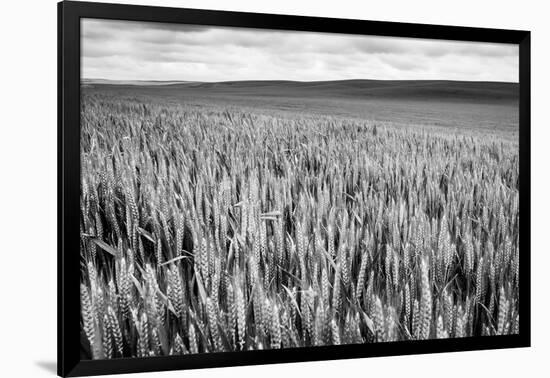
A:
124	50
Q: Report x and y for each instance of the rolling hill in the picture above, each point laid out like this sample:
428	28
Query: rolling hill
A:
421	90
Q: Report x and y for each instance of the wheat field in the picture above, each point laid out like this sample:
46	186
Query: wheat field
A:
217	229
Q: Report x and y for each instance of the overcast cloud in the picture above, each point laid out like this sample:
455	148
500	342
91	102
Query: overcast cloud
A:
125	50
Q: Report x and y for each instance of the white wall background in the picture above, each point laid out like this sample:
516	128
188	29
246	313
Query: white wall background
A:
28	186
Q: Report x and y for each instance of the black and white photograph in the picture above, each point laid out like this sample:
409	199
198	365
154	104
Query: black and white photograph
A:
248	189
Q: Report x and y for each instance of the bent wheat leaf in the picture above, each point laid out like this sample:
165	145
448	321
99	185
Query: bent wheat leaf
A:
104	246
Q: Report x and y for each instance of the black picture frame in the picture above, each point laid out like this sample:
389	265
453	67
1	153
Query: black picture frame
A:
69	15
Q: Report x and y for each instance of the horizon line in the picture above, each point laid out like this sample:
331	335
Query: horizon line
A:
293	81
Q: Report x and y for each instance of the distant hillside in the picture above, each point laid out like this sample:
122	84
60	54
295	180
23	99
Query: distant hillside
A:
131	82
423	90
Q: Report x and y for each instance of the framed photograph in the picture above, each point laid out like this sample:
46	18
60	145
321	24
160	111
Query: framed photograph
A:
239	188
